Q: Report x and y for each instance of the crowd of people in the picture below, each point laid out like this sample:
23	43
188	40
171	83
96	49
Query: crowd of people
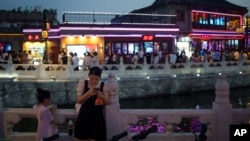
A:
13	57
91	59
178	57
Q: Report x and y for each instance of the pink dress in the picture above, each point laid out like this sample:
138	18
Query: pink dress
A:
45	127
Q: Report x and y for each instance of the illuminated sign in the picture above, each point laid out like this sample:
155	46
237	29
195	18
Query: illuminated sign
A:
44	34
33	37
205	37
147	37
215	36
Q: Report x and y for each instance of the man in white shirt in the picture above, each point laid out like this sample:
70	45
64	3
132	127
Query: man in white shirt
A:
172	58
141	55
29	59
76	60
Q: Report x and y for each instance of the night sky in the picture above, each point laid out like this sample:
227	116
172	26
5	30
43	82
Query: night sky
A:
89	5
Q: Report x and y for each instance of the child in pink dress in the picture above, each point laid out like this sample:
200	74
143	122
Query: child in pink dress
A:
46	121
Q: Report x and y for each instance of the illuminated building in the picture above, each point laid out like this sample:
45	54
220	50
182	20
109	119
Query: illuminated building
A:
203	24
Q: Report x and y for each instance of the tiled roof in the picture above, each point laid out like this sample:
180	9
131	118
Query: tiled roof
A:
10	30
210	3
216	3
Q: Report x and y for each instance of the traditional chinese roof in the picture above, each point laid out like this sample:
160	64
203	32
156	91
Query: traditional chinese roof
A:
193	3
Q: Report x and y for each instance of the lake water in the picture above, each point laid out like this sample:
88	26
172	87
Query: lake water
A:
178	101
239	97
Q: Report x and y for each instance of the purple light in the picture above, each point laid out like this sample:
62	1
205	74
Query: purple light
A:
32	30
118	29
38	30
224	14
198	11
218	35
108	35
216	31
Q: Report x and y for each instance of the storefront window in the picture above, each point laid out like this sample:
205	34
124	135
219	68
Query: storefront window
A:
125	48
5	46
117	49
131	48
220	21
148	47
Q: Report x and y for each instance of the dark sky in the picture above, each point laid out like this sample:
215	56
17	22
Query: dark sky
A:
89	5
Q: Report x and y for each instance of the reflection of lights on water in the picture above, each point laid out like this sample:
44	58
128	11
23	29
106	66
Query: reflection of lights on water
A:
118	78
15	79
175	75
52	78
220	73
147	77
197	74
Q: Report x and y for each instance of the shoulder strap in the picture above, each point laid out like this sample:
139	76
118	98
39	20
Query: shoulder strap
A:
85	86
102	84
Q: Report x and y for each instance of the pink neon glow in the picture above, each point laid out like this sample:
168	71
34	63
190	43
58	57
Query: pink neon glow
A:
234	15
38	30
119	29
102	28
224	14
32	30
108	35
216	31
230	35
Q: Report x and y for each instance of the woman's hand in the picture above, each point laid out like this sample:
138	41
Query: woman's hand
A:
92	92
100	94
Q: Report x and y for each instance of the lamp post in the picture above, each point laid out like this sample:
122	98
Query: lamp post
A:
246	34
45	36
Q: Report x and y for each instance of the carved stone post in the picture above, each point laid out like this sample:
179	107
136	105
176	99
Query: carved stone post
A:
121	69
224	109
113	119
9	121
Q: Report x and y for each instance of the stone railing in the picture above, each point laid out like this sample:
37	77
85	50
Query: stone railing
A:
217	119
66	72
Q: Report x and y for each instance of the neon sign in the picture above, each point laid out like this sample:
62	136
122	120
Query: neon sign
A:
147	37
205	37
33	37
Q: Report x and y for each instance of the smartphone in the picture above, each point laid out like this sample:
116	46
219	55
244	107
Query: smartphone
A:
97	89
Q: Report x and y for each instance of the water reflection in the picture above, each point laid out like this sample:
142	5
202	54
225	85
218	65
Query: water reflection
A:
239	97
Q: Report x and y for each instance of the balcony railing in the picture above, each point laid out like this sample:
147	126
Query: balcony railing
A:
69	72
10	30
118	18
216	119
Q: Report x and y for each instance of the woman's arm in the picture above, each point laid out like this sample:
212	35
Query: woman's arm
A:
81	98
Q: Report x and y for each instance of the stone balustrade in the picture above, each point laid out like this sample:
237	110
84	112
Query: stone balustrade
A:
169	117
67	72
217	119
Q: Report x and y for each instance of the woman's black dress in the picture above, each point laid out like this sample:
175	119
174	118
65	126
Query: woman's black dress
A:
90	122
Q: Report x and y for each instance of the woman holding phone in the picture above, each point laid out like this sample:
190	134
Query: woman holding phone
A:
91	98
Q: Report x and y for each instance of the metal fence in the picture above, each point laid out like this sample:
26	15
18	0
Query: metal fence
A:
118	18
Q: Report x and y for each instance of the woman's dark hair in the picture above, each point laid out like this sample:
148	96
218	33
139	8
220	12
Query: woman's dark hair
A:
95	71
42	94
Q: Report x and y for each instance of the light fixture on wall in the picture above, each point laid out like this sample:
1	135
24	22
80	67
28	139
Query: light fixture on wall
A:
52	78
147	77
15	79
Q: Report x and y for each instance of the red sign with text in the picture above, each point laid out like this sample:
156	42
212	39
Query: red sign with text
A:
148	37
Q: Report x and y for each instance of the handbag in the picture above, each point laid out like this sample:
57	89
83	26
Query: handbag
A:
99	101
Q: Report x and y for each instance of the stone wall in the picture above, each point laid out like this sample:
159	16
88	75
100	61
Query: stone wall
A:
23	93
